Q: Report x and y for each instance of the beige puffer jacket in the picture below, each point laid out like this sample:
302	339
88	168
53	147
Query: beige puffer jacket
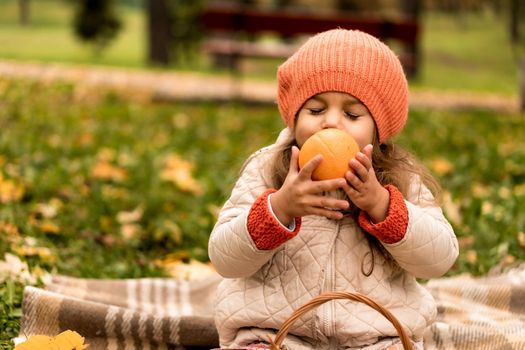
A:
263	287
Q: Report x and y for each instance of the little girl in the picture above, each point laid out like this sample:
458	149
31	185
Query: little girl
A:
282	238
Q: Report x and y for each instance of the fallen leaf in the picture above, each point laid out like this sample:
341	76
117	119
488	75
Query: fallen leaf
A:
14	268
181	270
127	217
10	191
67	340
451	208
479	190
472	256
48	226
107	171
130	231
178	171
521	239
42	252
441	166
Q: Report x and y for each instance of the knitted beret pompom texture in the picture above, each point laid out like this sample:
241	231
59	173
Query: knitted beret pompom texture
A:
348	61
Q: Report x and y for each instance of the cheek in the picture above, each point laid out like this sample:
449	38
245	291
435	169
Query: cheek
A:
300	137
303	130
365	136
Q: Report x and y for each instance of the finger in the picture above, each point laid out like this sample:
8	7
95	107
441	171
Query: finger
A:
310	166
327	202
364	159
356	184
360	171
330	214
294	161
367	150
327	185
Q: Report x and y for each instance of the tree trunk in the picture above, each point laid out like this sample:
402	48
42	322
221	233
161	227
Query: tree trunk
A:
412	9
517	38
23	8
158	32
522	84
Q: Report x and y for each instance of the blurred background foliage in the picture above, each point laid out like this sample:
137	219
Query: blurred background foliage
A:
465	45
96	184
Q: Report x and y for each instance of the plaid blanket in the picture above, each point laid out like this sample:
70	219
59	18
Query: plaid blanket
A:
479	313
473	313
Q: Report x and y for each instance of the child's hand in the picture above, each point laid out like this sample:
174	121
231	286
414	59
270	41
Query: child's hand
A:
364	189
300	195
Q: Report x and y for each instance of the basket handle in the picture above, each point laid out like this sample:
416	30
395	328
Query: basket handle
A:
323	298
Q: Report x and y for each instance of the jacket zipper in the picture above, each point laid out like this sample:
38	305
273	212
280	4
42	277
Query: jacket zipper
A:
329	286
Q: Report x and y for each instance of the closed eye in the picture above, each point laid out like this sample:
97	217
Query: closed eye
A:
352	116
315	111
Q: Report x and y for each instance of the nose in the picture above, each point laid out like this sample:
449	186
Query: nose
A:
332	119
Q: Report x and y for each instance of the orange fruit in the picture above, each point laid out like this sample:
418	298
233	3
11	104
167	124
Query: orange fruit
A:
337	148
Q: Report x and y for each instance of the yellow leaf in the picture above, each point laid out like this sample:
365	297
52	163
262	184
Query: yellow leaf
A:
504	192
49	210
442	166
451	208
107	171
49	226
472	256
42	252
465	241
67	340
180	270
86	139
70	340
130	231
9	229
480	190
178	171
35	342
128	217
521	239
486	208
10	191
519	190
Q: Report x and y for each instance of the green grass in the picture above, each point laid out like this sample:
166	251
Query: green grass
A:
470	52
52	142
50	37
467	52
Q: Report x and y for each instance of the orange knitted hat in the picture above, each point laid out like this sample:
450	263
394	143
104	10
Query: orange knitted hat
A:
348	61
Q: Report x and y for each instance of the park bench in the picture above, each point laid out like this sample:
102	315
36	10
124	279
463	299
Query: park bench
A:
226	30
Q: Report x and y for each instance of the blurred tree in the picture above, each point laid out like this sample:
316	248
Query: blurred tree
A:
412	9
517	38
186	33
173	30
24	13
159	20
96	22
356	5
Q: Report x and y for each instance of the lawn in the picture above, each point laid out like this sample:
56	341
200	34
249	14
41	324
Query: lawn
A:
105	187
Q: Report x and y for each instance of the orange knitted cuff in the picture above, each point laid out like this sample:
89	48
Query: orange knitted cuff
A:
264	228
394	227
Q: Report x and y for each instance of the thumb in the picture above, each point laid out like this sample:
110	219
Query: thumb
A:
368	151
294	161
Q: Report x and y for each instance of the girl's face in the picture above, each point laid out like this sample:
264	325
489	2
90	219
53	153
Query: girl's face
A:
335	110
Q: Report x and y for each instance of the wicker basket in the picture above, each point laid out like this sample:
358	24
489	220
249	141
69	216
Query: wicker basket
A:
276	344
